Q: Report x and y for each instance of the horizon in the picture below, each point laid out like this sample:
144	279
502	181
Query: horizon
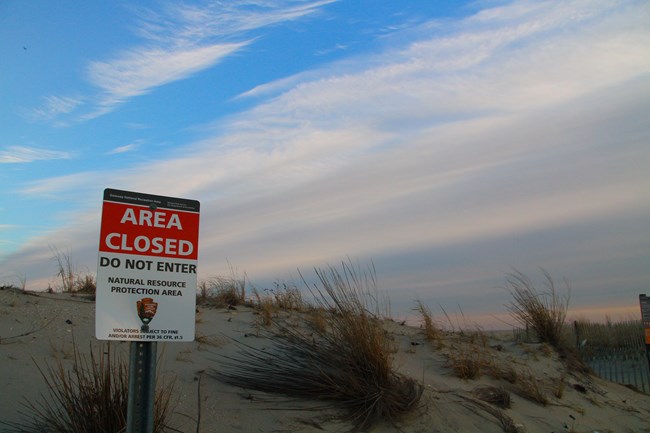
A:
446	144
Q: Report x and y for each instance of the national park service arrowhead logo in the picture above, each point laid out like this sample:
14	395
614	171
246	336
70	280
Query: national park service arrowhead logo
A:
146	311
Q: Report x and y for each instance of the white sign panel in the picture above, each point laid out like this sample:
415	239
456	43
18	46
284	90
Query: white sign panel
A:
146	273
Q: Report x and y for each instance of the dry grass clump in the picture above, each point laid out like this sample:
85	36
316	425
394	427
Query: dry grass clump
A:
86	284
282	298
502	371
287	297
72	281
431	332
531	388
543	312
222	292
347	363
466	360
91	397
265	309
495	395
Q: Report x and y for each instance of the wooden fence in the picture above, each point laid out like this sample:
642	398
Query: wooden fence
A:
614	351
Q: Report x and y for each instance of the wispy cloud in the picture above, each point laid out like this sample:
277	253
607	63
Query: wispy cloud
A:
126	148
53	107
22	154
183	40
180	23
139	70
177	41
55	185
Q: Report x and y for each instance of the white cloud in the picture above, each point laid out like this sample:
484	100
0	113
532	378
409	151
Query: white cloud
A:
179	41
53	107
184	40
140	70
55	186
205	21
23	154
126	148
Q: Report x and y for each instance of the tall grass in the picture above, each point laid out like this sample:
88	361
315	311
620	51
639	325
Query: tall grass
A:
222	291
431	332
346	362
544	312
72	280
90	397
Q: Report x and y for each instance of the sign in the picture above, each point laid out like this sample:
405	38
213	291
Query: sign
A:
645	317
146	272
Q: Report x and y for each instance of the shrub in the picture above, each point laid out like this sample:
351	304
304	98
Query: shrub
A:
347	362
543	312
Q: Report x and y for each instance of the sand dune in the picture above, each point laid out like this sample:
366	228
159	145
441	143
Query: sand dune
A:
40	328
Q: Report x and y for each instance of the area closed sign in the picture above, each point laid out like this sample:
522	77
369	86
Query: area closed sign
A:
146	272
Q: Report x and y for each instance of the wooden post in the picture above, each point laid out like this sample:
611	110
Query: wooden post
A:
644	302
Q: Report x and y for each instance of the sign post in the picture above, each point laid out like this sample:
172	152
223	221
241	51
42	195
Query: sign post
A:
146	284
644	301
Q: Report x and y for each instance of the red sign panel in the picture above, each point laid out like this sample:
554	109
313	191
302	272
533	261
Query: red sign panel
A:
149	231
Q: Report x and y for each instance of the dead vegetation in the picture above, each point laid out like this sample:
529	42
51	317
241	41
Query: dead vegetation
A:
72	280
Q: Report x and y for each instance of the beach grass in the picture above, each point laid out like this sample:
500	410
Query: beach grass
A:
345	361
542	311
89	397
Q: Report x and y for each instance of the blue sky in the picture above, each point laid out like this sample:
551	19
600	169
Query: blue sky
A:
446	142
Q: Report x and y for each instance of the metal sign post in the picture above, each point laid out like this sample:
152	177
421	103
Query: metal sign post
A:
142	387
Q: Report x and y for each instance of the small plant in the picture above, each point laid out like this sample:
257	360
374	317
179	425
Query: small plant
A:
65	269
559	384
497	396
222	292
466	360
543	312
287	297
71	280
431	331
531	388
208	340
86	284
502	371
265	308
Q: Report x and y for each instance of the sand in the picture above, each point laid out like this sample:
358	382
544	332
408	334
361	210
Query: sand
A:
39	328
